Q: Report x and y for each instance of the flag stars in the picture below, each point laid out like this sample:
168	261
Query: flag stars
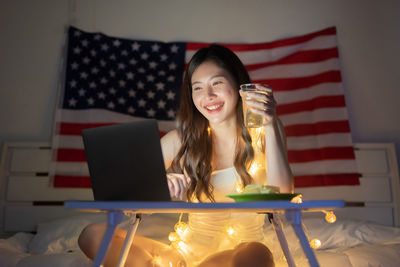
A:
172	66
155	47
170	95
122	83
111	73
130	75
72	84
161	104
72	102
135	46
121	66
150	95
104	47
113	57
93	53
144	56
174	48
151	112
90	101
77	33
131	110
152	65
84	75
101	95
133	61
171	78
140	85
86	60
81	92
124	53
95	70
74	66
160	86
121	101
77	50
142	103
141	70
103	80
171	113
92	85
103	63
132	93
84	43
97	37
163	57
112	91
111	105
116	43
150	78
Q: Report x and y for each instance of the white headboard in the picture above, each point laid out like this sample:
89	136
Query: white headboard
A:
28	198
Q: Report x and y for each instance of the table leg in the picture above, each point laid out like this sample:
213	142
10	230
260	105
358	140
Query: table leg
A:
276	223
114	218
294	217
133	225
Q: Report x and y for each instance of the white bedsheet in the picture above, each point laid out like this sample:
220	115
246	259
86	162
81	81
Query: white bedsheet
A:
344	243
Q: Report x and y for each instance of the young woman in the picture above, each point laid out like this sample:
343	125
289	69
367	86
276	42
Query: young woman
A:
207	157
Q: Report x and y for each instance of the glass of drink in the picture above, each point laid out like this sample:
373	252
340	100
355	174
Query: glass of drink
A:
252	119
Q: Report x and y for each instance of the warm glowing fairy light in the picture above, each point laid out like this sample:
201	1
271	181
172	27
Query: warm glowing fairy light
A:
230	230
297	199
181	228
157	260
330	217
315	243
239	187
173	237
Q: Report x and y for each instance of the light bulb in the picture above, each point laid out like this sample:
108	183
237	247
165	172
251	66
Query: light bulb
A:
230	230
180	228
156	260
330	217
173	237
239	187
297	199
315	243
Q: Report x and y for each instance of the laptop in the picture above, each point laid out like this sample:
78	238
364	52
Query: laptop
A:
125	162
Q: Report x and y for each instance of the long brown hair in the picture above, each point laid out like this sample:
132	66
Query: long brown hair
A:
195	154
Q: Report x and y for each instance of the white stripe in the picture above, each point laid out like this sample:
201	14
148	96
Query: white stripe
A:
324	89
106	116
318	115
72	168
318	141
70	141
294	70
273	54
324	167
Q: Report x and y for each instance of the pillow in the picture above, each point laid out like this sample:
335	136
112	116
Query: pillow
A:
61	235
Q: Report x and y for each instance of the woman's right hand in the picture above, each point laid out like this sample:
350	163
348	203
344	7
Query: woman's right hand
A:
177	184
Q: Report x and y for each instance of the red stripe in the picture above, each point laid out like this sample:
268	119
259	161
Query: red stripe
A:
317	154
299	57
334	101
323	127
72	181
269	45
326	180
66	128
71	155
286	84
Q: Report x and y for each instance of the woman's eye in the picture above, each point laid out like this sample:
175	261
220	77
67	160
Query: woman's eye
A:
196	88
217	82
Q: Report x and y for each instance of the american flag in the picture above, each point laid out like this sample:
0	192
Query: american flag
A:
112	80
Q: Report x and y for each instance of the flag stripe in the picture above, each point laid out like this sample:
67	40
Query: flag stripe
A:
309	105
322	127
316	154
286	84
326	180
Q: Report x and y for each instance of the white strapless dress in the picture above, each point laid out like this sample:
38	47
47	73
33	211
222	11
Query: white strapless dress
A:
209	233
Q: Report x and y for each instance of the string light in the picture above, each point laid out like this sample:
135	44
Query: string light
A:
297	199
230	230
239	187
315	243
157	260
173	237
181	228
330	217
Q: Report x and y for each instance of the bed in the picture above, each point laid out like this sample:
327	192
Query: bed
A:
36	230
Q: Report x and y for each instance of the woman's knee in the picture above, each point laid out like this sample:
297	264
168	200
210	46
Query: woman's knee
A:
252	254
90	238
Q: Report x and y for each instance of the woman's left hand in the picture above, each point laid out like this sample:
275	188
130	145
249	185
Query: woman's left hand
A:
262	102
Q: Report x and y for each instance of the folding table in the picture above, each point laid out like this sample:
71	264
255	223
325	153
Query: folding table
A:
116	210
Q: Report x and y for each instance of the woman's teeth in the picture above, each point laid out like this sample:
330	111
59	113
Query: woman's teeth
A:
214	107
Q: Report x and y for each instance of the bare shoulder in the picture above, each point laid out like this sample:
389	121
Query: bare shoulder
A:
170	144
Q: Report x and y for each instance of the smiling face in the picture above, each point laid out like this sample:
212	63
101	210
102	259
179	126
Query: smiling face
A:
214	93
